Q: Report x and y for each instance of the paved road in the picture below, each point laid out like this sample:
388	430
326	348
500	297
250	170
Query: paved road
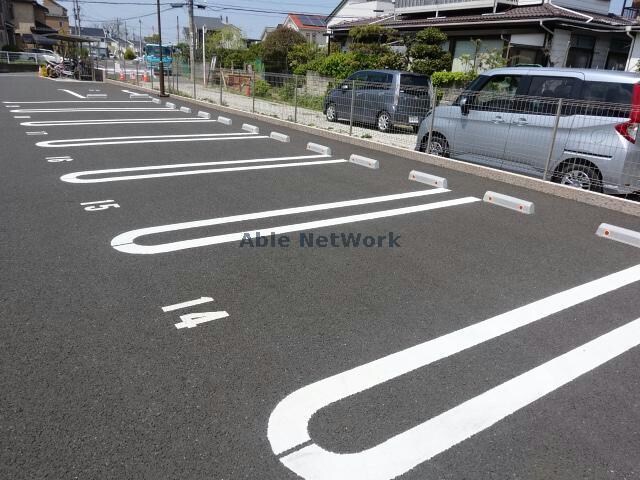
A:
139	339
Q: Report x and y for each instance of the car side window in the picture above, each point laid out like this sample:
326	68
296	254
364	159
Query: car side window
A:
607	99
544	92
498	94
378	80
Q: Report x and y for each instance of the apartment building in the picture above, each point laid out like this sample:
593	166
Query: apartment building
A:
599	34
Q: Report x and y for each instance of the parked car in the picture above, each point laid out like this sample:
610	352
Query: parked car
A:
508	118
43	54
381	97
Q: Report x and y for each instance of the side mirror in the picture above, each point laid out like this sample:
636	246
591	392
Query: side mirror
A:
464	105
345	86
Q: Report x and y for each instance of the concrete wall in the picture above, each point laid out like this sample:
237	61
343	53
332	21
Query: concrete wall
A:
634	58
559	47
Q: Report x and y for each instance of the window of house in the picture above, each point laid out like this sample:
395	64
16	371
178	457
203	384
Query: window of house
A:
618	54
580	52
526	56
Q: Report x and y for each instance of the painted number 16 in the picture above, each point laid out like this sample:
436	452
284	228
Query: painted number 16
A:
99	205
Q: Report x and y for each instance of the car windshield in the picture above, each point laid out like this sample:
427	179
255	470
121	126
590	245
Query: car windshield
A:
154	51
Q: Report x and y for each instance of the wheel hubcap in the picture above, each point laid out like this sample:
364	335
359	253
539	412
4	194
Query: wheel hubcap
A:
576	178
331	112
436	148
383	121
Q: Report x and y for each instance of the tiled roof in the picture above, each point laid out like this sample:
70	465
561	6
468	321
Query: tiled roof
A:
512	15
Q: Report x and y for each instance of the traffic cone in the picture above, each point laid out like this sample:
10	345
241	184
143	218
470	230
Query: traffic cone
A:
145	77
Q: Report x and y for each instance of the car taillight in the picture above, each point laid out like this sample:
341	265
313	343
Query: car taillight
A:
629	130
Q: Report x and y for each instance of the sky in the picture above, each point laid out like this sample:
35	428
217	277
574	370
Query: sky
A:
252	16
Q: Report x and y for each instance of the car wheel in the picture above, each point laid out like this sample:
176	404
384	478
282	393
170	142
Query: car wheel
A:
331	114
439	145
415	128
580	175
384	122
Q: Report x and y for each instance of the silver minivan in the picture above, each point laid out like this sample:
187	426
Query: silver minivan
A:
509	118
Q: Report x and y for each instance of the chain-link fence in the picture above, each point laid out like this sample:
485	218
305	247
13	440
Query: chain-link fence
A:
583	143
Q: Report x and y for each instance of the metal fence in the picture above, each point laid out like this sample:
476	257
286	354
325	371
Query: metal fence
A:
25	58
587	144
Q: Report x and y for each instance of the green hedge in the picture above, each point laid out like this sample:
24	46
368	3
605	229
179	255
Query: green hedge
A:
452	79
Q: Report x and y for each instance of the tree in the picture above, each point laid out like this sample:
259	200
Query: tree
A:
425	52
227	38
129	54
277	46
303	54
155	39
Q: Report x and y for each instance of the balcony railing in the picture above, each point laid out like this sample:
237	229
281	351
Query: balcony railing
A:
632	13
416	6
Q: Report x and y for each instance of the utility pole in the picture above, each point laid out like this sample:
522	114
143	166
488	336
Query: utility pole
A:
161	65
192	50
204	55
177	29
140	39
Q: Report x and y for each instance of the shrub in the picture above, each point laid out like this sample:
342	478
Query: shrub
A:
129	54
262	88
452	79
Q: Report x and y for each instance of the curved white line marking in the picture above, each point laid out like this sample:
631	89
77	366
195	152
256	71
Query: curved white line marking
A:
73	177
72	110
288	423
125	242
86	142
117	121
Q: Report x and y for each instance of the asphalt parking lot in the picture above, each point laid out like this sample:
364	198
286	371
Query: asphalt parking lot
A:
147	332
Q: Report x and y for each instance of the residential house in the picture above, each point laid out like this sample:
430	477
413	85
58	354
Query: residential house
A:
100	40
7	32
210	25
350	10
267	31
599	34
313	27
30	25
57	17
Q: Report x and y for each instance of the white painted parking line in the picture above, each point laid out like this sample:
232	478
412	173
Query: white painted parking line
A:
96	95
191	303
202	137
70	92
22	116
36	133
76	101
74	177
112	121
287	429
93	109
125	242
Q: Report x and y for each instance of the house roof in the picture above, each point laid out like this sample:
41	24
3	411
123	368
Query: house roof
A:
88	32
309	22
531	14
212	23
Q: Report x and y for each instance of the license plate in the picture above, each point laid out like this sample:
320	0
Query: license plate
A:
414	119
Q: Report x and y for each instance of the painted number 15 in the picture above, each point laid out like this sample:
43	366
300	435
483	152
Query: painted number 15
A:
99	205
